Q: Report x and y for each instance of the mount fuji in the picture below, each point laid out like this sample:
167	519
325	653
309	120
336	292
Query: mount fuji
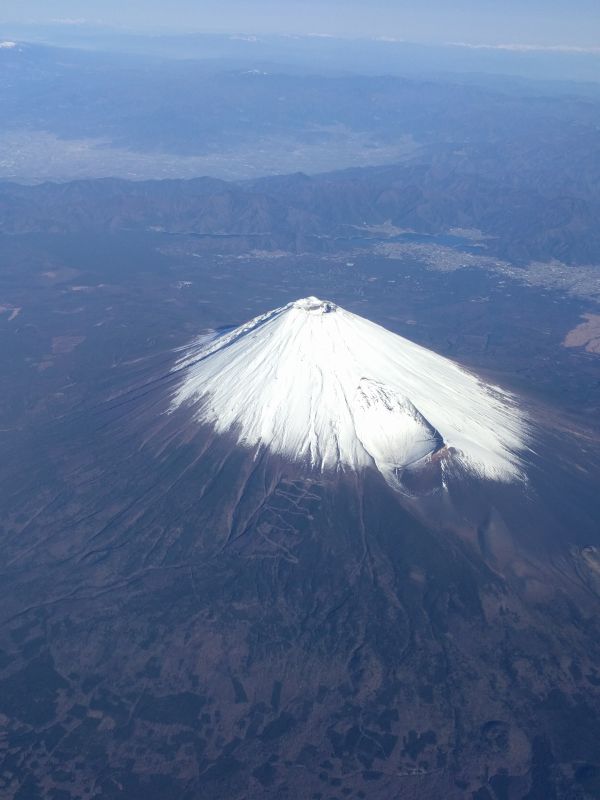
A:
320	385
302	557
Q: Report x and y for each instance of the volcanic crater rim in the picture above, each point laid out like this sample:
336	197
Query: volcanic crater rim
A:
314	305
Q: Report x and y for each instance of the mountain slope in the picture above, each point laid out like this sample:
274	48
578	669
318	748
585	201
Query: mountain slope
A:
186	617
316	383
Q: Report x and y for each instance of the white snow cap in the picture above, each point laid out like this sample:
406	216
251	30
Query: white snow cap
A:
7	45
319	384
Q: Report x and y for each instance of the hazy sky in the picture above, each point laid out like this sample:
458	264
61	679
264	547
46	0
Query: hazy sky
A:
569	22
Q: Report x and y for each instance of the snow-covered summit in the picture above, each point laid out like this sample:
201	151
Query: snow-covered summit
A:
319	384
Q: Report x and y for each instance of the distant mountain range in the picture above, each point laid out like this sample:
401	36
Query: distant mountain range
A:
525	215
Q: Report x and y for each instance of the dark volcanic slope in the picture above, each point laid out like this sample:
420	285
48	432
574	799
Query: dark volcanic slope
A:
182	621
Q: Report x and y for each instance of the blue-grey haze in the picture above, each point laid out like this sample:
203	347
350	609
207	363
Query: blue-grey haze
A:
573	23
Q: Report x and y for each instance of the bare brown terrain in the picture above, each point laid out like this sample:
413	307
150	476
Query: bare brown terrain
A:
586	334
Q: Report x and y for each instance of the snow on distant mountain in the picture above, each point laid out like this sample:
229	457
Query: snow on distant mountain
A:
323	386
